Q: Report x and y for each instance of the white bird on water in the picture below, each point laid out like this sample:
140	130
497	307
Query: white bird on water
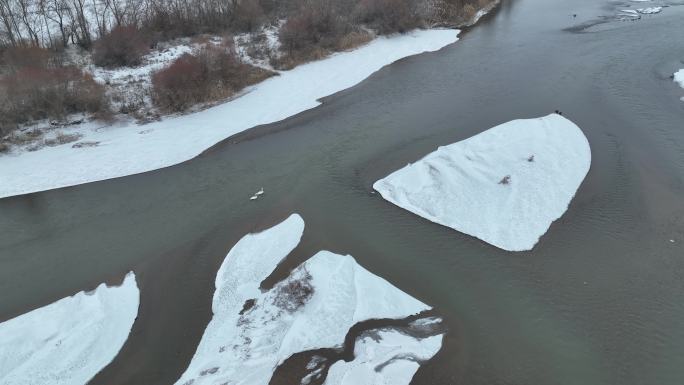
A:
257	194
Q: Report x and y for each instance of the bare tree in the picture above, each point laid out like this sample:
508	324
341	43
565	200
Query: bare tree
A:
28	20
9	19
80	25
57	11
100	11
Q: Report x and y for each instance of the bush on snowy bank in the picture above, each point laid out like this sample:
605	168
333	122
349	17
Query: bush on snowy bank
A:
313	33
316	30
124	46
45	89
16	58
213	73
388	16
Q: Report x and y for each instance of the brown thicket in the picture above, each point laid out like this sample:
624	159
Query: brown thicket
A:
388	16
43	90
122	46
213	73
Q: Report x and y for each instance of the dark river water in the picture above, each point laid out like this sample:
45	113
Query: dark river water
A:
600	300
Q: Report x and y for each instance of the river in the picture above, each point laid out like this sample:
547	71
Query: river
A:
600	299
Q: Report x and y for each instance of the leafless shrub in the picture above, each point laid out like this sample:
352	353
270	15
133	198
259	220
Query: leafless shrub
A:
47	93
311	34
123	46
16	58
180	85
213	73
388	16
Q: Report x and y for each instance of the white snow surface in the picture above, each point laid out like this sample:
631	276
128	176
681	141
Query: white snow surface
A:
387	357
127	148
313	308
462	185
69	341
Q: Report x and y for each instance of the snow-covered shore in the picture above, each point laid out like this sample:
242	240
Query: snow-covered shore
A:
504	186
118	150
69	341
252	332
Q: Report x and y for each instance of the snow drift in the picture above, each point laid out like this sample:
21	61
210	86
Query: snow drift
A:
71	340
252	332
504	186
114	151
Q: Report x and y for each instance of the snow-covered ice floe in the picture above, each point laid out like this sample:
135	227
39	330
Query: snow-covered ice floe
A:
252	332
635	13
384	357
630	12
650	10
504	186
679	77
115	151
71	340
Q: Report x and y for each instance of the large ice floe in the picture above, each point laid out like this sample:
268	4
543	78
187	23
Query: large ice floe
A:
504	186
69	341
113	151
384	357
252	332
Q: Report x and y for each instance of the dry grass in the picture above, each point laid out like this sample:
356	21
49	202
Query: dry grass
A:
353	40
47	93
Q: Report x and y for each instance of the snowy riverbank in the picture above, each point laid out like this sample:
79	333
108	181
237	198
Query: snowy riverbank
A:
252	332
105	152
504	186
69	341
